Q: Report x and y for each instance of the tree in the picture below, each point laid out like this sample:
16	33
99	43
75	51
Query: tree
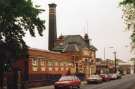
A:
17	17
128	7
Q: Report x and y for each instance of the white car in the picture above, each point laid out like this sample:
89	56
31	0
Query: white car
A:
113	76
94	79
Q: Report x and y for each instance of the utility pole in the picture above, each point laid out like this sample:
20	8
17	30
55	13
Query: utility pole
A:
115	61
106	63
104	53
134	66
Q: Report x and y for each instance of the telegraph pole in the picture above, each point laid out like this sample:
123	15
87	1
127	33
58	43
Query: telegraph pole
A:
105	60
104	54
115	61
134	66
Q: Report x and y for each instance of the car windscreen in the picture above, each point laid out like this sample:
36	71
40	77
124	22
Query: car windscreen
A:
66	78
94	76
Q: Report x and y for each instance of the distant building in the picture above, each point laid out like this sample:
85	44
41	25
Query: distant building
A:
104	66
126	67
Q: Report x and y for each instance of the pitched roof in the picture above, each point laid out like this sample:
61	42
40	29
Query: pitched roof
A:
71	48
72	43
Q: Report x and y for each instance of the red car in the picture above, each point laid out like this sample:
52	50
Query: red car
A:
105	77
68	82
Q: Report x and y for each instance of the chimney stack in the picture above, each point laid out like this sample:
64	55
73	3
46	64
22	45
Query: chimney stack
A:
87	40
52	26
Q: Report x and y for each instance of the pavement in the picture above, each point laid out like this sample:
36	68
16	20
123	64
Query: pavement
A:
133	87
44	87
52	87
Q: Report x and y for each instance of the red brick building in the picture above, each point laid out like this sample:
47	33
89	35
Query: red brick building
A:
72	53
45	61
47	66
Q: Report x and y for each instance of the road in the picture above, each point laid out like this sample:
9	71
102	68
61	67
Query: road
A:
127	82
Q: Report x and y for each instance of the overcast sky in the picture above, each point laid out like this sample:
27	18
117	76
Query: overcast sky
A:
100	18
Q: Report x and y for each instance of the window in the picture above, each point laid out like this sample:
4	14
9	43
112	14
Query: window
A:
67	68
61	64
42	62
62	69
50	68
50	63
56	68
56	64
42	68
34	68
68	78
34	62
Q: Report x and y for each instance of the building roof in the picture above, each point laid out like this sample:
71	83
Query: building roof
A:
71	48
73	43
51	55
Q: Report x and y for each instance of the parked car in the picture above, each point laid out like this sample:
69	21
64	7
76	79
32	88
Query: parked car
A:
94	79
68	82
112	76
119	76
105	77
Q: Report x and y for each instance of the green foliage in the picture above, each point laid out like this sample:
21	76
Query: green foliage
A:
17	17
132	59
125	2
128	7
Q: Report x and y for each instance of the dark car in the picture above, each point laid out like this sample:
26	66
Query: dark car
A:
68	82
94	79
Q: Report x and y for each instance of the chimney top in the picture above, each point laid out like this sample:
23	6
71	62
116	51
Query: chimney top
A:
52	5
86	36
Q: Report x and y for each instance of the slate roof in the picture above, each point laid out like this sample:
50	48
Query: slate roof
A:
72	47
73	43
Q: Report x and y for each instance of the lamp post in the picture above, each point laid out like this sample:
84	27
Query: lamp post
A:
106	58
104	53
134	65
115	59
106	62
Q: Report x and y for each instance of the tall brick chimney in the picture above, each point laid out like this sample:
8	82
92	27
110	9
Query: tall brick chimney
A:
52	26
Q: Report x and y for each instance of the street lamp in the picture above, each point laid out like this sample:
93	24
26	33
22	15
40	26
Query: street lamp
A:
115	59
105	57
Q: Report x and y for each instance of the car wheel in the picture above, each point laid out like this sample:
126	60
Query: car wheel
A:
71	87
56	87
88	82
78	87
74	87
